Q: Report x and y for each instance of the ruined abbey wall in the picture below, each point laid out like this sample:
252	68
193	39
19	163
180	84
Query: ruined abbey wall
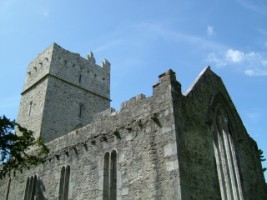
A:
143	135
197	158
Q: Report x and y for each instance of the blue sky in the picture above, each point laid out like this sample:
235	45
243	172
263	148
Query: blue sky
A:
143	39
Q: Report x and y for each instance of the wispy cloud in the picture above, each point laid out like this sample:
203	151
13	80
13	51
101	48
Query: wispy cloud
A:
210	30
158	30
255	6
251	63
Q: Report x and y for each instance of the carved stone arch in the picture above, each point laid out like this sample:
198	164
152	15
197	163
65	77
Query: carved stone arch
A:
222	121
219	103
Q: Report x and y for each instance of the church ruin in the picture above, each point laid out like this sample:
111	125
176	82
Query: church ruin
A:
170	145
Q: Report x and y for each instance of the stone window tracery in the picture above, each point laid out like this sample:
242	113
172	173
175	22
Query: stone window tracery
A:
226	158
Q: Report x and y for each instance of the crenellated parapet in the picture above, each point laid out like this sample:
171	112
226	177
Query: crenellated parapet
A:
63	91
70	67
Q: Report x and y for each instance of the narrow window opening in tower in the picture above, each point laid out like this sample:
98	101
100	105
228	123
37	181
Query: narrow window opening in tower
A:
81	109
30	109
80	78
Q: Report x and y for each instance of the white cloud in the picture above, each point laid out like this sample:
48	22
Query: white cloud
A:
159	30
210	30
216	60
234	56
256	72
251	63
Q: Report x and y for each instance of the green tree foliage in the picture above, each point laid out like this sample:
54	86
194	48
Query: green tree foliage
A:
15	148
262	159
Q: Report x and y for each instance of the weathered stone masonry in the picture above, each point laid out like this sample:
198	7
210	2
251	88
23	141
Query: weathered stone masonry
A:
167	146
62	92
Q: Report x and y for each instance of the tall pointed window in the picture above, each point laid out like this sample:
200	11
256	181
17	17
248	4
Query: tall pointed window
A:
64	183
30	192
110	176
225	156
106	177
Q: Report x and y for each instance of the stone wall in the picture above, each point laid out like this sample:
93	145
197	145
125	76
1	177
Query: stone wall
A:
143	135
199	175
32	106
62	92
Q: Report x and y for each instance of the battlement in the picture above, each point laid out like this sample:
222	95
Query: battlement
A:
133	100
62	92
70	67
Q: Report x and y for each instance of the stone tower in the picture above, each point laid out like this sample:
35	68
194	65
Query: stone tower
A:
63	92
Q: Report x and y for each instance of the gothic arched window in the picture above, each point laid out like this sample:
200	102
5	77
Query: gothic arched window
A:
64	183
226	158
110	176
30	192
